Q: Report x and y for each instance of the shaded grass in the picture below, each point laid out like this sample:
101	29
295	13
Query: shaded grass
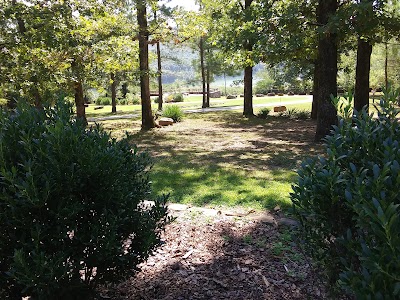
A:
224	159
216	185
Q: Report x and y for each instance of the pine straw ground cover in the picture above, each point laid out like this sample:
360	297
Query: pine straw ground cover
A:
220	160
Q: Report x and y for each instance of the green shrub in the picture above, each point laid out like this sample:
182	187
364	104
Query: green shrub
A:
303	114
295	113
174	98
291	113
133	99
71	207
121	101
178	98
348	203
263	113
103	101
174	112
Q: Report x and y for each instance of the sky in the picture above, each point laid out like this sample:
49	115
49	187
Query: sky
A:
187	4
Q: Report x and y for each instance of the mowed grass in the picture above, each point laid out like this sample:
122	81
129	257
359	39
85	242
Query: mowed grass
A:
222	159
191	102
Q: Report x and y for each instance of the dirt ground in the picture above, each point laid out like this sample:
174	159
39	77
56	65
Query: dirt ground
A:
210	254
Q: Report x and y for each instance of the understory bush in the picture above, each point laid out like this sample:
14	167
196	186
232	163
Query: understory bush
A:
71	206
132	99
175	98
103	101
174	112
348	203
263	113
294	113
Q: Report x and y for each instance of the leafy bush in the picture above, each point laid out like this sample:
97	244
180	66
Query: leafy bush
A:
263	86
348	203
303	114
71	208
122	101
132	99
174	98
291	113
263	113
178	98
294	113
103	101
174	112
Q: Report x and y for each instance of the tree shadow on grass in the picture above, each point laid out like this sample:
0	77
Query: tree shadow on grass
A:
229	160
200	182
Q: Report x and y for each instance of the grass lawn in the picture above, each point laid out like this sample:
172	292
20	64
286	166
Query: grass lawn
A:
191	102
222	159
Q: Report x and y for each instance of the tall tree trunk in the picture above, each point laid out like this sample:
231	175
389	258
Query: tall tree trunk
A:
80	102
159	72
147	115
248	92
361	91
160	88
124	89
314	109
327	62
113	93
248	77
203	72
225	83
386	66
208	86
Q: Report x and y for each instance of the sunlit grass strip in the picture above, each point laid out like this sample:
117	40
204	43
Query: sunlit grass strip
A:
213	185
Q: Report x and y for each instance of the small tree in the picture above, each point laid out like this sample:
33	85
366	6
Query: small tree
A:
348	202
71	206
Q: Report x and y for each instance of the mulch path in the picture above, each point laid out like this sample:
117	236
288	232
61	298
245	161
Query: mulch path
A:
211	254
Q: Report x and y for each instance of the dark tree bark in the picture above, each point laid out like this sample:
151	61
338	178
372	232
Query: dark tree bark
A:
327	62
361	91
208	76
124	89
248	92
314	109
80	102
159	72
160	88
248	77
386	66
203	72
147	115
113	93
